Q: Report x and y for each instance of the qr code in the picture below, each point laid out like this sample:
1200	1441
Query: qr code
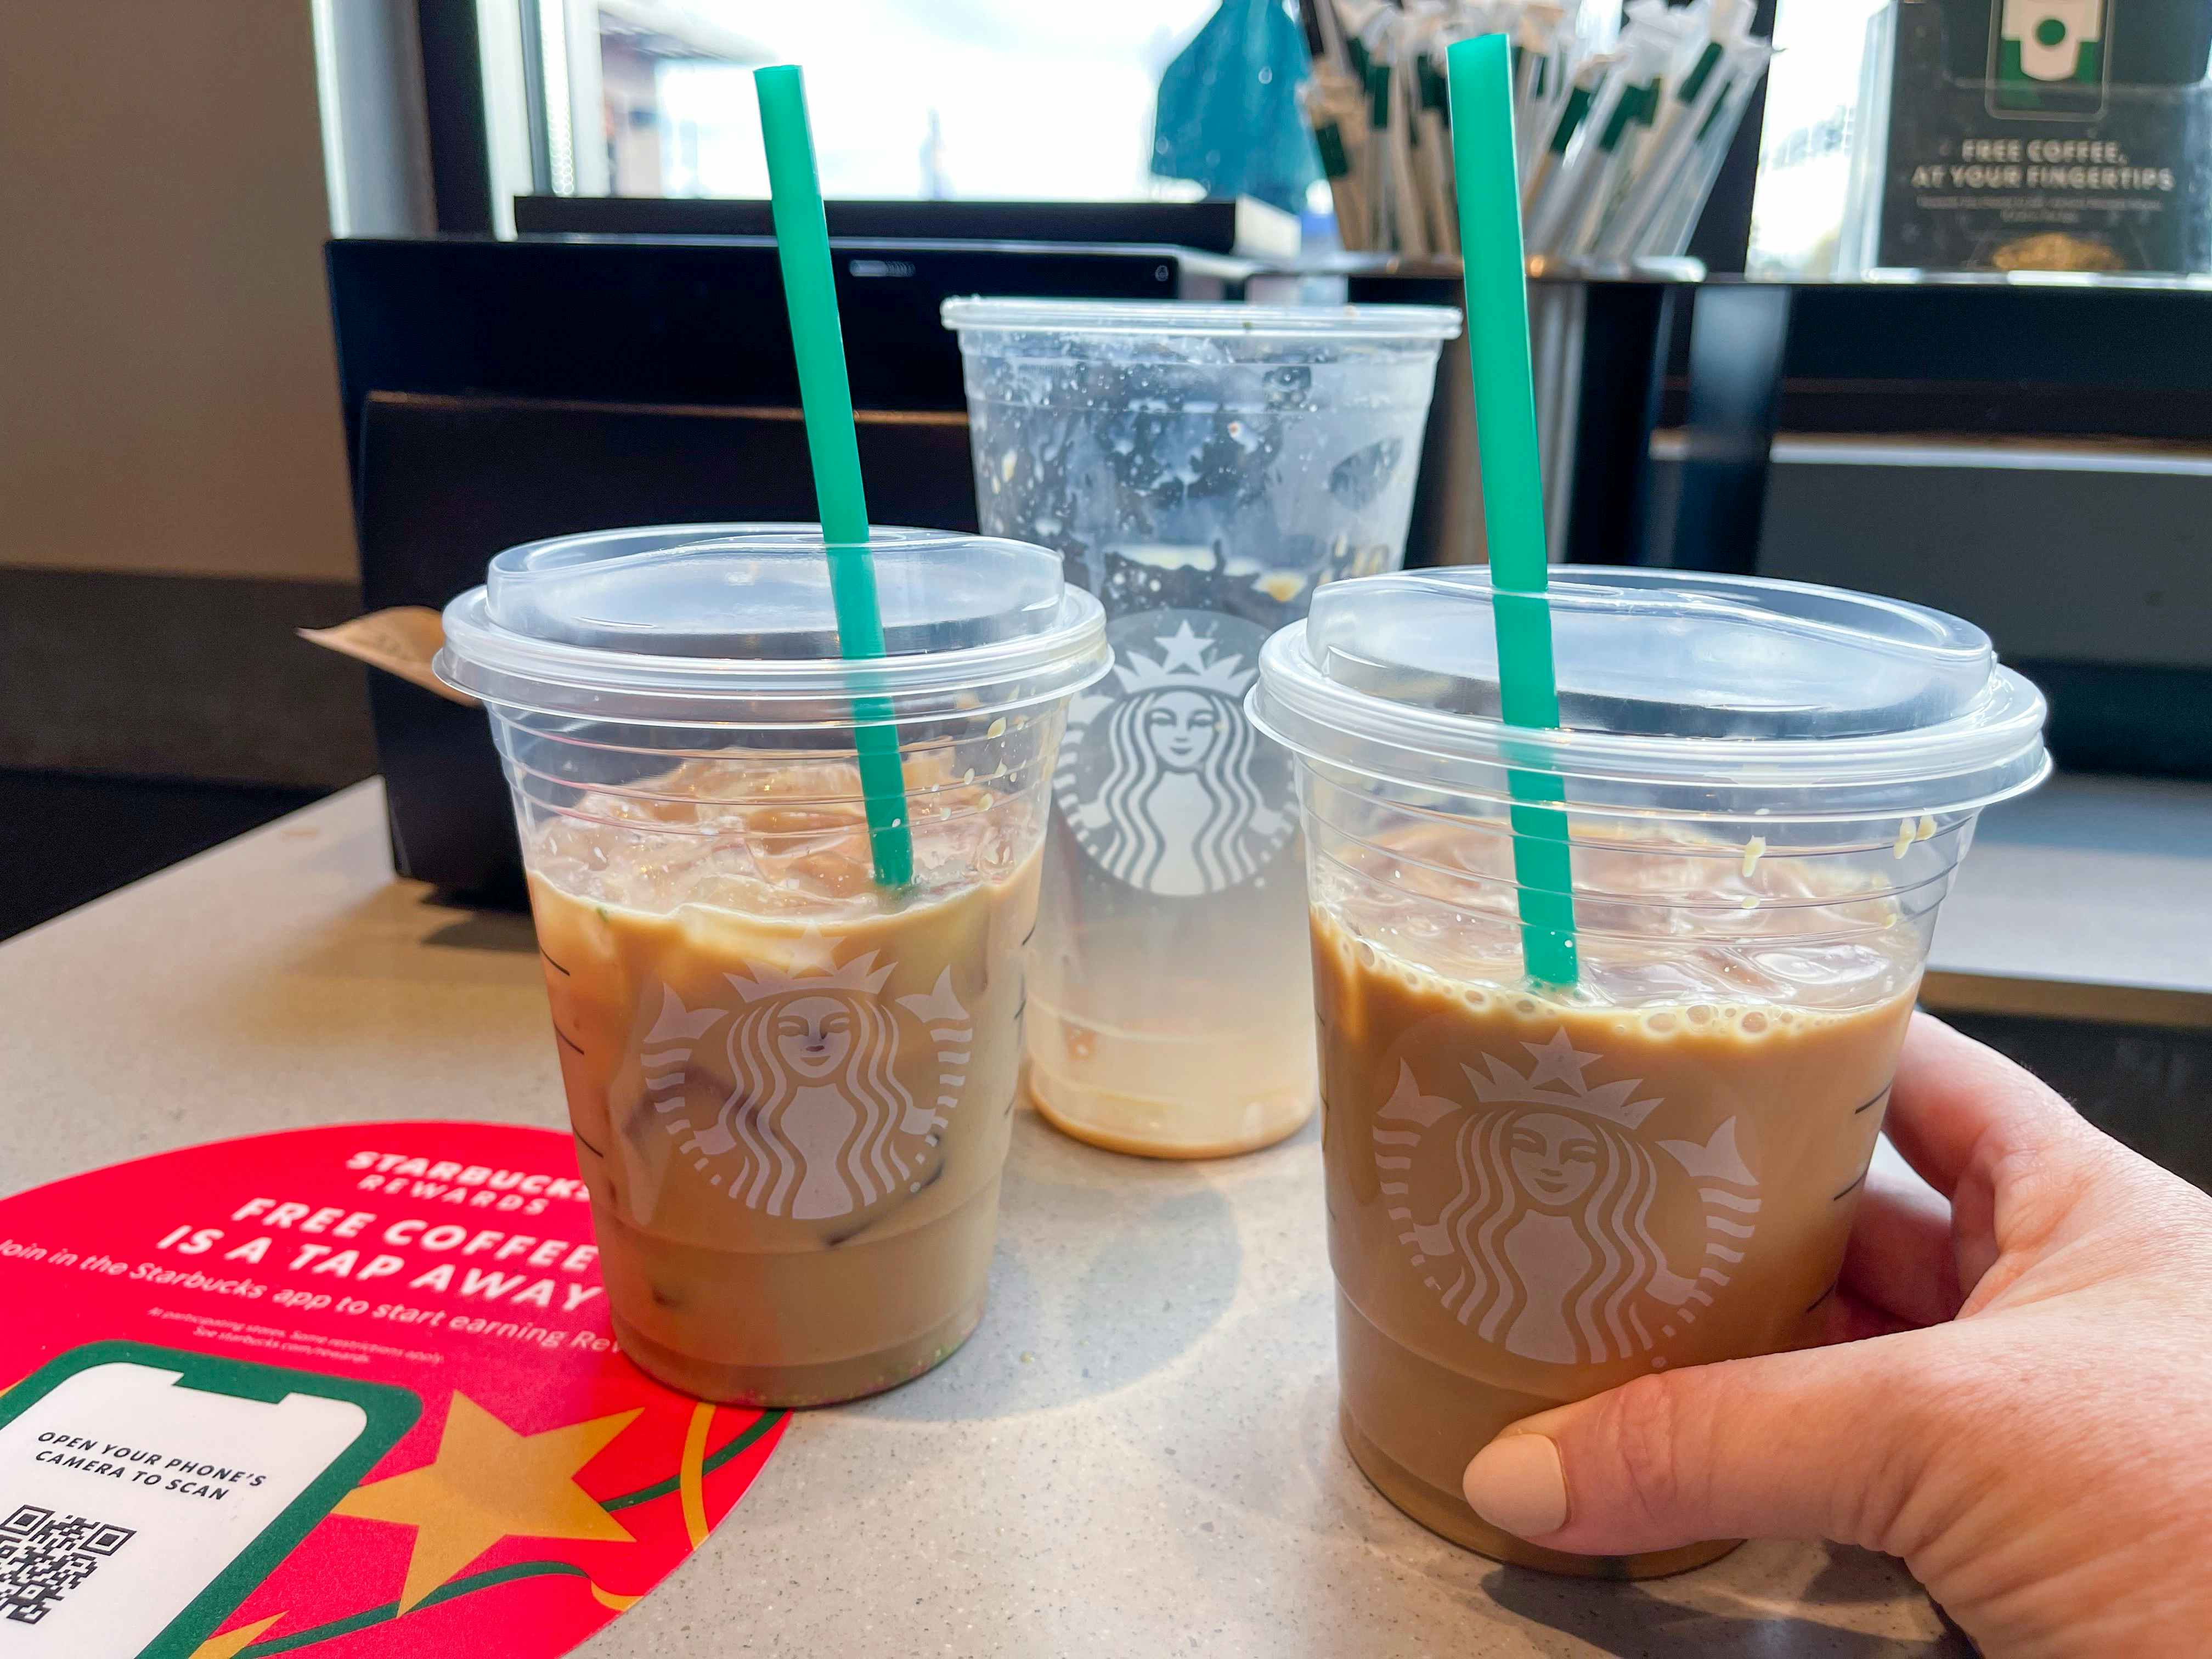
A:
45	1556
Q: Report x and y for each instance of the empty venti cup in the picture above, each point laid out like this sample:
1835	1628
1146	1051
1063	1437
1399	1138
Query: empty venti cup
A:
1539	1192
1204	469
790	1086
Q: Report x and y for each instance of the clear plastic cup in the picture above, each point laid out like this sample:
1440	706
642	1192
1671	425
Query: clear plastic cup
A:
1536	1193
790	1086
1204	469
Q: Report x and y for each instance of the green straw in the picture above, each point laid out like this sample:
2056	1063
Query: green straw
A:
802	243
1481	80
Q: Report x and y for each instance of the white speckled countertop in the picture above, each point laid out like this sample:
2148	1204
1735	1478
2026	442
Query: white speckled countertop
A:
1136	1454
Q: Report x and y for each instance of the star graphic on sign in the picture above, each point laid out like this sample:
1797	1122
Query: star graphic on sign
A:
487	1483
1184	649
232	1643
1558	1058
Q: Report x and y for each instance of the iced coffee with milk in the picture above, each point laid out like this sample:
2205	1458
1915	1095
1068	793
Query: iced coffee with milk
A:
790	1082
788	1093
1539	1191
1659	1170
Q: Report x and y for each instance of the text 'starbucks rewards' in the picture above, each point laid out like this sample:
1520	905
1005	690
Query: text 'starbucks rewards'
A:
2043	135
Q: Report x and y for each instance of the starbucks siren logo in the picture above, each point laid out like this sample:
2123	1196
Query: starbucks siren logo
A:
812	1115
1161	777
1539	1233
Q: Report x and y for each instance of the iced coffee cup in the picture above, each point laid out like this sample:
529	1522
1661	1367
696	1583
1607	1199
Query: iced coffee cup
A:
1204	470
1537	1191
790	1083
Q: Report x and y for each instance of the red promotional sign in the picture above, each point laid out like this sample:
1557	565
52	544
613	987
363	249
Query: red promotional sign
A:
346	1392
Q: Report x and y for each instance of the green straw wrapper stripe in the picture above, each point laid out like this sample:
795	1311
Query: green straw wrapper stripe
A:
1431	82
1334	162
1712	115
1378	95
1570	118
810	293
1708	61
1623	112
1512	486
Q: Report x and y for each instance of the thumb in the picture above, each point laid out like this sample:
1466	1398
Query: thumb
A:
1821	1443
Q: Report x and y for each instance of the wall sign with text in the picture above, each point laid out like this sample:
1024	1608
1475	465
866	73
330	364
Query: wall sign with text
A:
2047	134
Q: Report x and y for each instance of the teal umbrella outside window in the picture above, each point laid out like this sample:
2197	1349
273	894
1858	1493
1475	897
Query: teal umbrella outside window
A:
1229	115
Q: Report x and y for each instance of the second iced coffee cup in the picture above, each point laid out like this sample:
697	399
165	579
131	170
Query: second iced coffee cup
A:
1538	1192
790	1083
1204	469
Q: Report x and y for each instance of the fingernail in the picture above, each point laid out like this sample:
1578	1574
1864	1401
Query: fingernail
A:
1516	1483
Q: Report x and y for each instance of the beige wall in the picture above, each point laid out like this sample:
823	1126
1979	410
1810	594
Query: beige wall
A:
167	396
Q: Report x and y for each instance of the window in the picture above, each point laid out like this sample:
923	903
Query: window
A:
1813	104
919	99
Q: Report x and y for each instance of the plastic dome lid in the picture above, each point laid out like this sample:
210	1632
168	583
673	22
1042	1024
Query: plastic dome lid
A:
734	624
1682	692
1377	325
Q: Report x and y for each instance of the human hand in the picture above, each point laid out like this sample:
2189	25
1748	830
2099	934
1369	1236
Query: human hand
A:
2019	1402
